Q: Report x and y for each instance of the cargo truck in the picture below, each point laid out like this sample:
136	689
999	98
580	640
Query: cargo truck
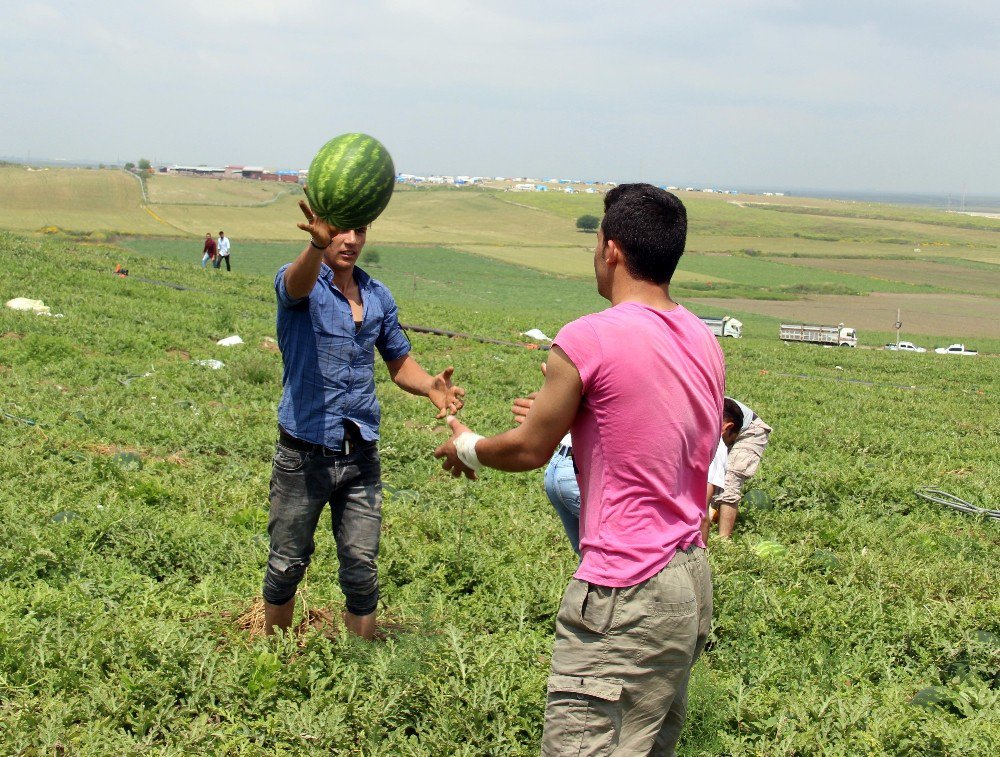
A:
836	336
725	326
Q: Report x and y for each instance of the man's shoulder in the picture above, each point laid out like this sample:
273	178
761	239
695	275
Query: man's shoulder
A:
582	326
370	283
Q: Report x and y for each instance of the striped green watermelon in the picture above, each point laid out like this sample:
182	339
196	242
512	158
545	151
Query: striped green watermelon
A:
757	499
350	181
770	549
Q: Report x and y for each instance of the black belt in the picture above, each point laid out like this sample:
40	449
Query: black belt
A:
352	440
565	450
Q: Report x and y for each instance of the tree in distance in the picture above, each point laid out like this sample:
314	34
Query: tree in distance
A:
588	223
144	164
130	166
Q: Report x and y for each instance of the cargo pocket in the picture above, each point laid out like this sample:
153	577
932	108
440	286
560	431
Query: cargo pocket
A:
582	715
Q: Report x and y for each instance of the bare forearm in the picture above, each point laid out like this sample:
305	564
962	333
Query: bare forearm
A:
411	377
515	451
301	275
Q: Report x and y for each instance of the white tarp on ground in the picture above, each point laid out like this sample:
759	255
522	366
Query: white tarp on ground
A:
536	334
229	341
32	306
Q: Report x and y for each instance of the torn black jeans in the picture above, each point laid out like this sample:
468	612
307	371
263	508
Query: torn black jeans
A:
302	483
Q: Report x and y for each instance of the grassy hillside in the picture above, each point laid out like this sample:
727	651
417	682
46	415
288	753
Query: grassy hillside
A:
133	512
168	189
78	200
834	261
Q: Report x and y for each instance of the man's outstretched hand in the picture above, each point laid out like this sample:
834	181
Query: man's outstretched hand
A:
449	453
321	232
523	404
446	397
521	407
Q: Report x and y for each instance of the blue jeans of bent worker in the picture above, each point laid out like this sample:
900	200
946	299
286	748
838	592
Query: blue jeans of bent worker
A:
302	483
563	491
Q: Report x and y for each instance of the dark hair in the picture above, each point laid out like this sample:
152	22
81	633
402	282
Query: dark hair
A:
732	412
650	226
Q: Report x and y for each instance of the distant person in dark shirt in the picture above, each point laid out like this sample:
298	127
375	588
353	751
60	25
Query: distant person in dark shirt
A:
208	250
332	317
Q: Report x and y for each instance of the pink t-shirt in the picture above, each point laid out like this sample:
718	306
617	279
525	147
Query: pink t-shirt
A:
647	428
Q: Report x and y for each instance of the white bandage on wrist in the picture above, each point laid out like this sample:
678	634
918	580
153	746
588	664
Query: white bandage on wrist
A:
465	446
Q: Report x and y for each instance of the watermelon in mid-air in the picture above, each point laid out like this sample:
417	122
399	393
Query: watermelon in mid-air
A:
350	181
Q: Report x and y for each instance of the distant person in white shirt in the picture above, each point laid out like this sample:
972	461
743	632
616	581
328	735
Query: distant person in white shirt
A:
223	251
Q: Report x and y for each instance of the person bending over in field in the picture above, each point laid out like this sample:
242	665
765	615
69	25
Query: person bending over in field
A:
732	417
332	317
641	385
746	441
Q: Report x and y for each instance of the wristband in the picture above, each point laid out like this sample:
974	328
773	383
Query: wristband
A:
313	243
465	446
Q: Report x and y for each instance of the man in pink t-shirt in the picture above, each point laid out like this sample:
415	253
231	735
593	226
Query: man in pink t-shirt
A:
641	387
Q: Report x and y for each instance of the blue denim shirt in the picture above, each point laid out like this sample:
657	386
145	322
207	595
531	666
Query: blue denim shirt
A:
329	369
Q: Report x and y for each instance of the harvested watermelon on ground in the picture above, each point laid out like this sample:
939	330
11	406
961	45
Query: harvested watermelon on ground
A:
757	499
770	549
350	180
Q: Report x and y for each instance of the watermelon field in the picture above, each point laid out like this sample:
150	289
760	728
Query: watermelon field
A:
851	617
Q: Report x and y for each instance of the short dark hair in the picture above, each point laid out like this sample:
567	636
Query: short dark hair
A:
650	226
731	412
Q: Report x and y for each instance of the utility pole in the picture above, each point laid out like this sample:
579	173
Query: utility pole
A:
899	325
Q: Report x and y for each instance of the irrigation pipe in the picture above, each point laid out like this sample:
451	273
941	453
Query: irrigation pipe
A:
941	497
844	380
460	335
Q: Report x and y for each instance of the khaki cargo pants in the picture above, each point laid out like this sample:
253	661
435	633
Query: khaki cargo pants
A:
742	462
622	660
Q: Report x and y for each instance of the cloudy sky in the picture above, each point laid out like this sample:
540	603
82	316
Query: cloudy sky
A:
876	95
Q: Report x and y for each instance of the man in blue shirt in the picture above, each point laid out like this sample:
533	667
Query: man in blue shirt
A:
332	316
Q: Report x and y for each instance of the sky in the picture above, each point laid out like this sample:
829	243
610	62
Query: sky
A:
887	96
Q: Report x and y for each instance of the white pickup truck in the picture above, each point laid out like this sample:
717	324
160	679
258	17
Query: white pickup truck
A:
905	347
955	349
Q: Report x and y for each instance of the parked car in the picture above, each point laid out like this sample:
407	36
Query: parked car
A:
905	347
955	349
